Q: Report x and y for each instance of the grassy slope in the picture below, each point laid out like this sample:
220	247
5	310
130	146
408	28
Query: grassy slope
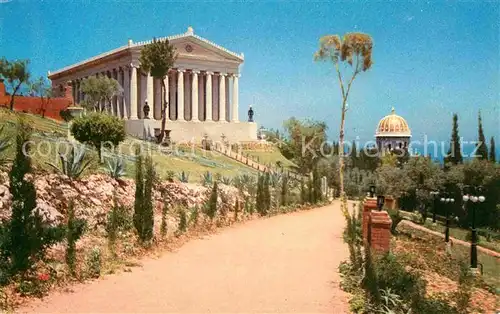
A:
50	134
270	156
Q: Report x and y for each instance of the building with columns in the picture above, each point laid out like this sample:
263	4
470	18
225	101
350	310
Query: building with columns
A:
202	90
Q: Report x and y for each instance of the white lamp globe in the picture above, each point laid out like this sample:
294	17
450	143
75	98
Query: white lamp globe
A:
442	199
465	198
452	200
474	199
482	198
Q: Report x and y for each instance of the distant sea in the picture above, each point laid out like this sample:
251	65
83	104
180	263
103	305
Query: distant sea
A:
438	153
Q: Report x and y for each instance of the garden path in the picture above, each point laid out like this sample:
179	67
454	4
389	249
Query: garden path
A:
283	264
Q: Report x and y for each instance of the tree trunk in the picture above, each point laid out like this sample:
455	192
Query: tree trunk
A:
163	112
14	95
341	149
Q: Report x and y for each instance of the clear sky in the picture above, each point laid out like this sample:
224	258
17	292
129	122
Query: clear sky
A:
430	58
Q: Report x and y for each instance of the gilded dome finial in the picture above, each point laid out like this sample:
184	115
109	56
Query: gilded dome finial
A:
393	111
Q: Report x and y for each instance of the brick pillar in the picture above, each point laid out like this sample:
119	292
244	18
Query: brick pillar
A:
380	227
368	205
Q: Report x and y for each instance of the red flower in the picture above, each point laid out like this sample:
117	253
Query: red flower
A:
43	277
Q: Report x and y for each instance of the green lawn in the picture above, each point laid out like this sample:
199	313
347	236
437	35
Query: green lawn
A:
49	138
429	249
269	157
455	232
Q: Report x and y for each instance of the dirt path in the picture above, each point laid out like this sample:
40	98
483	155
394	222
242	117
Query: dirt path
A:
284	264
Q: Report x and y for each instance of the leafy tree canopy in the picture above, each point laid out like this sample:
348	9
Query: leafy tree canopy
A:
16	74
97	89
98	129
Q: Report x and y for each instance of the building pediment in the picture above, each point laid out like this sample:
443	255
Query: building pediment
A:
189	47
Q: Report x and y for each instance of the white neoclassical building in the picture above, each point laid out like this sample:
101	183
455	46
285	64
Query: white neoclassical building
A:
202	89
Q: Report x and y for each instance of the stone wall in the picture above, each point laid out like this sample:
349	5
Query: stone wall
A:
194	131
93	196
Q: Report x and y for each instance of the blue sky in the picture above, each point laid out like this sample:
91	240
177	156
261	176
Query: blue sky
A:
430	58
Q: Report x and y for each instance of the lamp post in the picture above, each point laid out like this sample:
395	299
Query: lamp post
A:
447	201
435	197
372	191
475	196
380	202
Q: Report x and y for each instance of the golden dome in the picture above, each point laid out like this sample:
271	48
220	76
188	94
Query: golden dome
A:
393	126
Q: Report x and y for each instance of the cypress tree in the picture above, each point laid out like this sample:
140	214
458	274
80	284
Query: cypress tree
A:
26	235
148	213
267	192
354	155
259	204
284	190
455	153
211	210
139	193
482	149
74	230
310	190
493	153
303	194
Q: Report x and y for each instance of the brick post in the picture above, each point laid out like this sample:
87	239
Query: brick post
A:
368	205
380	226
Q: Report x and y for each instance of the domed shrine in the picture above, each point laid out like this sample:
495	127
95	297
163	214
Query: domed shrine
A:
392	132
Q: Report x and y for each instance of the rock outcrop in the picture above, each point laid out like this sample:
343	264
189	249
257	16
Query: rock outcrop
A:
93	196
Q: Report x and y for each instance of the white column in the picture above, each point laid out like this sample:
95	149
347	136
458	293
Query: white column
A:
234	102
126	93
194	97
165	96
157	99
208	101
133	93
119	103
222	97
180	95
113	99
150	94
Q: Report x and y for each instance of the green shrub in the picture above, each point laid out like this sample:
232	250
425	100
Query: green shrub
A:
163	227
182	221
207	179
74	230
116	168
396	219
74	163
211	205
94	263
194	216
170	176
143	205
183	177
25	238
392	274
98	129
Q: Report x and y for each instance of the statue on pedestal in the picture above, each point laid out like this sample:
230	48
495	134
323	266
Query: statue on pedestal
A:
146	109
250	114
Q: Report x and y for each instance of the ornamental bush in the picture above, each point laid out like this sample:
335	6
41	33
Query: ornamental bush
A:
98	129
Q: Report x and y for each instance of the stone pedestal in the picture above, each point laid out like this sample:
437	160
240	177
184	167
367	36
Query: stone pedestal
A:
380	231
369	204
